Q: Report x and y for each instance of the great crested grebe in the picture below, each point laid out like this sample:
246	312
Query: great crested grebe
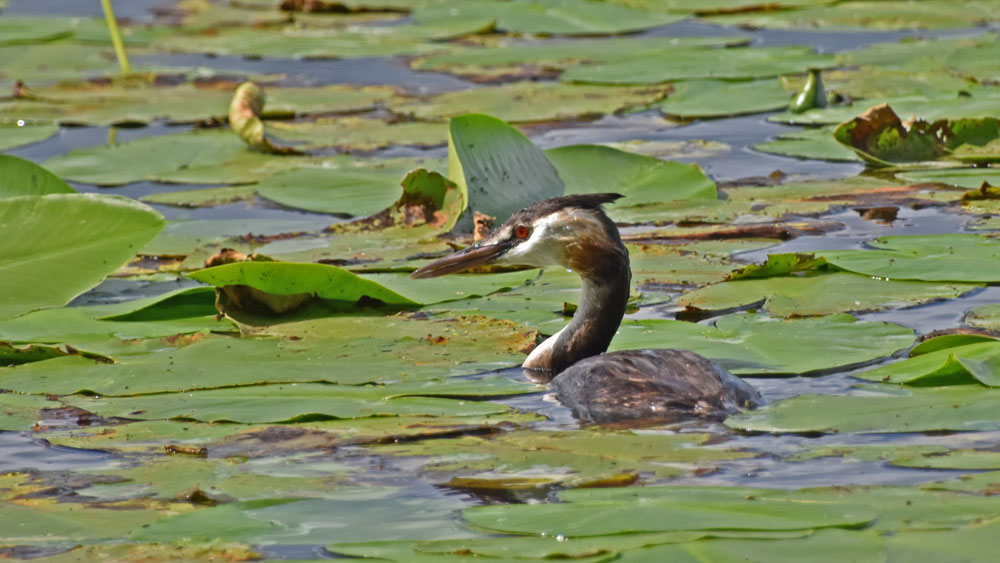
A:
573	232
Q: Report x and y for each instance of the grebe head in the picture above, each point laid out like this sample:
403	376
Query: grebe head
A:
570	231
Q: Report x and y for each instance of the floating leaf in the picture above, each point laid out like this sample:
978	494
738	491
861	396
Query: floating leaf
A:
326	349
720	509
527	101
551	17
515	58
17	132
880	138
497	169
289	278
350	133
956	407
735	63
717	98
940	258
816	143
971	178
819	294
641	179
19	177
307	401
59	245
885	15
953	365
750	344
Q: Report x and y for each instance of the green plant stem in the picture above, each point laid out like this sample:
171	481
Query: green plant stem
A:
116	36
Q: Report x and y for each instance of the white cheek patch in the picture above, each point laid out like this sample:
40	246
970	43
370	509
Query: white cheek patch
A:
543	247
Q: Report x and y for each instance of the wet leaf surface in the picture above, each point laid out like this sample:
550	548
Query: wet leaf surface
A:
45	266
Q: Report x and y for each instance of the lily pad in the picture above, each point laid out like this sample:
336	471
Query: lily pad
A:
879	137
17	132
641	179
528	459
332	190
318	42
980	105
497	169
970	178
308	401
360	134
107	104
930	14
59	245
717	98
938	258
408	350
727	509
815	143
952	365
208	156
289	278
955	407
819	294
19	177
734	63
515	58
750	344
550	17
526	101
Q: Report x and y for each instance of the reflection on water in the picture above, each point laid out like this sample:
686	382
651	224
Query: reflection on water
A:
19	452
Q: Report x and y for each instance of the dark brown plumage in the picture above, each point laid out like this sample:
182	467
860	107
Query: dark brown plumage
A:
573	231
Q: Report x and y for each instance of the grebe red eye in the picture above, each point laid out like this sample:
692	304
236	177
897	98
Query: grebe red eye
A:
521	232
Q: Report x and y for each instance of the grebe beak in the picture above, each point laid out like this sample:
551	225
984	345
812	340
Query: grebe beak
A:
475	255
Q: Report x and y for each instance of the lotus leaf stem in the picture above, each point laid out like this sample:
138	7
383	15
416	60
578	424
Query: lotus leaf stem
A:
116	36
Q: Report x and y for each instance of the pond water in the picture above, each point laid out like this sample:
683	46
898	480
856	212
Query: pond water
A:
412	503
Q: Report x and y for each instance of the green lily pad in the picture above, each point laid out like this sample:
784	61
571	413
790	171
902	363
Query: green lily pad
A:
641	179
866	453
519	59
717	98
734	63
551	17
228	521
933	14
900	54
979	105
14	132
497	169
985	316
981	483
360	134
956	407
527	101
20	412
331	190
408	350
970	178
940	258
184	103
189	157
21	177
49	522
749	344
726	509
820	294
289	278
59	245
953	365
816	143
955	459
308	401
968	543
879	137
528	459
316	42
